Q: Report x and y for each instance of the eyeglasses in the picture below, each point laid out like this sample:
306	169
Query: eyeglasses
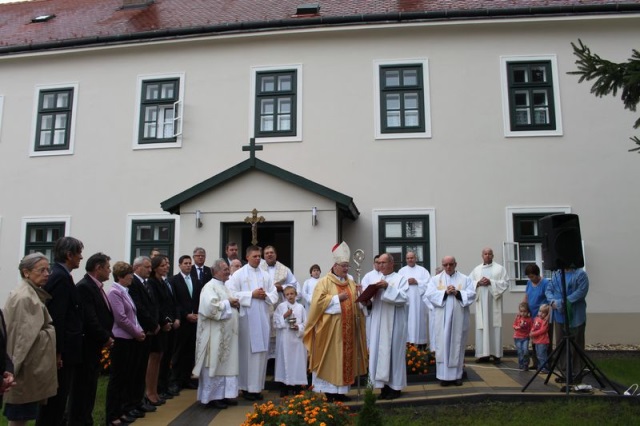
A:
345	266
449	264
42	270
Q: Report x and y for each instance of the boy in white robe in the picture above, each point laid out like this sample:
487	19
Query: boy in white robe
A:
291	356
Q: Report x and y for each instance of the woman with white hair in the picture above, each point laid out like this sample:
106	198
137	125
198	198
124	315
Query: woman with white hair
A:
31	342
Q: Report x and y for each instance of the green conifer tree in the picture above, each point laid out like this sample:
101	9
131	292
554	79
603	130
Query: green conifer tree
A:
609	77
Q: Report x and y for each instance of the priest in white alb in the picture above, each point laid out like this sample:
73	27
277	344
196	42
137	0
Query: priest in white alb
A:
419	311
216	362
369	278
451	293
257	295
491	282
388	344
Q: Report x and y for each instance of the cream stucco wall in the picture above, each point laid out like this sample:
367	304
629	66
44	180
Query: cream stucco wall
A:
467	172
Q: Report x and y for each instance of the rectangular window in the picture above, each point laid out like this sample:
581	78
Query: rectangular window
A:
398	235
531	100
41	236
159	111
401	99
53	122
524	242
149	234
531	96
276	103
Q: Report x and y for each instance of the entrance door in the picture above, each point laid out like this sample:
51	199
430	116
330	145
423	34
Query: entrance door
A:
277	234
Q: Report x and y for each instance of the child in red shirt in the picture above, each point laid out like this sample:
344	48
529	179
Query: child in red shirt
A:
540	336
522	327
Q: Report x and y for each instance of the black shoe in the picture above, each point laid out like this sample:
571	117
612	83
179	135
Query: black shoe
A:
496	360
191	385
385	392
230	402
126	419
166	395
458	382
217	404
248	396
136	414
157	403
330	396
258	396
445	383
173	390
342	397
483	360
284	392
147	408
393	394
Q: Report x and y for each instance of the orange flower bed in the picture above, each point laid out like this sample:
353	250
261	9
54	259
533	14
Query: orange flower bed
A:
418	360
306	408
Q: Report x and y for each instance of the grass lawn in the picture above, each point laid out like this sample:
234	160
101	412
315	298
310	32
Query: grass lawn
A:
620	368
567	411
98	410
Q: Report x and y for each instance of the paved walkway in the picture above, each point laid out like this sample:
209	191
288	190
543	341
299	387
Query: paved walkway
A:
482	379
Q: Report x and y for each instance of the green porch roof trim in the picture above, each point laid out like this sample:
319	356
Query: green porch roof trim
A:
343	202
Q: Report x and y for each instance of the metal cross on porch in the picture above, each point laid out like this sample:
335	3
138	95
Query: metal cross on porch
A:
254	220
252	148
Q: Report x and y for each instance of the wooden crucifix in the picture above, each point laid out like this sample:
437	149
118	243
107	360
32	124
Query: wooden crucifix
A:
254	220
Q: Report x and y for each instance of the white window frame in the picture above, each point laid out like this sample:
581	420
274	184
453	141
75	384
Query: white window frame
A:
26	220
510	212
72	125
178	121
153	216
252	103
504	82
377	213
427	99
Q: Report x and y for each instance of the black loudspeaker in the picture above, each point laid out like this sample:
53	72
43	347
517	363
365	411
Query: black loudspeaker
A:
561	241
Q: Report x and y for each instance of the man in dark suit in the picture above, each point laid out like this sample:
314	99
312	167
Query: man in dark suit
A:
199	272
65	309
187	293
147	314
231	253
97	323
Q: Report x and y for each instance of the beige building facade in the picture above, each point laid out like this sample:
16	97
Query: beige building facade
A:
426	135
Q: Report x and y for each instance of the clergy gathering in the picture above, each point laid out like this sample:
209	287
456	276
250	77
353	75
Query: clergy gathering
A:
214	328
292	212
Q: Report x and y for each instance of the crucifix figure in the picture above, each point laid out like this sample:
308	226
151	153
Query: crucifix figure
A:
254	220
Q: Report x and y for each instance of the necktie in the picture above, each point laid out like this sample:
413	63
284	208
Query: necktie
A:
200	274
168	286
187	279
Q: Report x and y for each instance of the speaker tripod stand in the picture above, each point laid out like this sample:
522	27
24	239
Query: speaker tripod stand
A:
568	344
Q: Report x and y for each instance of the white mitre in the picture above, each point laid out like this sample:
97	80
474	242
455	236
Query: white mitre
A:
341	253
